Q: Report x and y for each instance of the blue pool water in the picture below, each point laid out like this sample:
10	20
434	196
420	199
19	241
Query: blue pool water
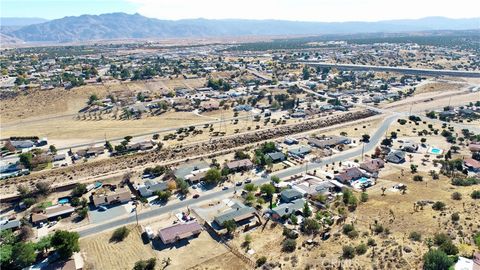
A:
363	180
63	200
435	151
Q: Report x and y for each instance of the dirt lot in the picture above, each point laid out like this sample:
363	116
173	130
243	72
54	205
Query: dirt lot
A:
200	253
393	211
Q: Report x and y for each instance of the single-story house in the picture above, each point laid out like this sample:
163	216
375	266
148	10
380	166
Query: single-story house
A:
237	165
472	164
150	186
301	151
289	195
329	142
196	176
473	147
141	146
179	231
276	156
59	157
22	144
409	146
373	165
285	209
60	210
119	196
349	175
238	213
186	169
89	152
9	224
396	157
209	105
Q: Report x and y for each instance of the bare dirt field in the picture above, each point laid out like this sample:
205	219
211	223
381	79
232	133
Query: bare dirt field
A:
202	252
395	212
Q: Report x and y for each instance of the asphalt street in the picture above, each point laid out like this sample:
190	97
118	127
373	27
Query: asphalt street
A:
374	140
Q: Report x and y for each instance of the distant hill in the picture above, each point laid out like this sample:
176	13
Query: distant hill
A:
123	26
13	21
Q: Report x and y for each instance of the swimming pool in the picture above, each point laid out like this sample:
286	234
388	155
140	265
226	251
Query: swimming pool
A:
435	151
363	180
63	200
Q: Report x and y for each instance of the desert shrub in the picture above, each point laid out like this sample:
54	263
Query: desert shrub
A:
348	228
289	245
449	248
440	238
361	249
348	252
438	206
415	236
120	234
457	196
261	261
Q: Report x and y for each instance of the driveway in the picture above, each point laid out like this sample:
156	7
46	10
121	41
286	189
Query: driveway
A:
97	216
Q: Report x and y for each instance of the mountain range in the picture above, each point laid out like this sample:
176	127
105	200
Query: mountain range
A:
135	26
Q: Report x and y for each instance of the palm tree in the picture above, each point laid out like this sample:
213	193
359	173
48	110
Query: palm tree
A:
383	191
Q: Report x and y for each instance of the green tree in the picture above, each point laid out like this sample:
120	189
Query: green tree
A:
230	225
250	187
44	244
182	186
82	213
310	226
267	189
275	179
306	210
24	254
163	195
79	190
213	176
53	149
65	243
477	239
436	259
26	160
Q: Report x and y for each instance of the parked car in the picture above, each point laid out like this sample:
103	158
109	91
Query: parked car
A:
51	224
196	196
248	181
225	188
102	208
239	183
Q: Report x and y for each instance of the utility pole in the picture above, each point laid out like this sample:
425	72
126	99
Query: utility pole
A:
136	213
363	150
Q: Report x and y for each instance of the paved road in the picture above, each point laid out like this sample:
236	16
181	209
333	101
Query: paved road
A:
374	140
404	70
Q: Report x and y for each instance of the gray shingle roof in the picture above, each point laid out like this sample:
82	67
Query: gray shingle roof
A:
234	214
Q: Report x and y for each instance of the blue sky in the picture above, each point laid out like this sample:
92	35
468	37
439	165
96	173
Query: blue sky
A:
302	10
53	9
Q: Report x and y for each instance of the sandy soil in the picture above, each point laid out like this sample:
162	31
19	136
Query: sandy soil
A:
102	254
